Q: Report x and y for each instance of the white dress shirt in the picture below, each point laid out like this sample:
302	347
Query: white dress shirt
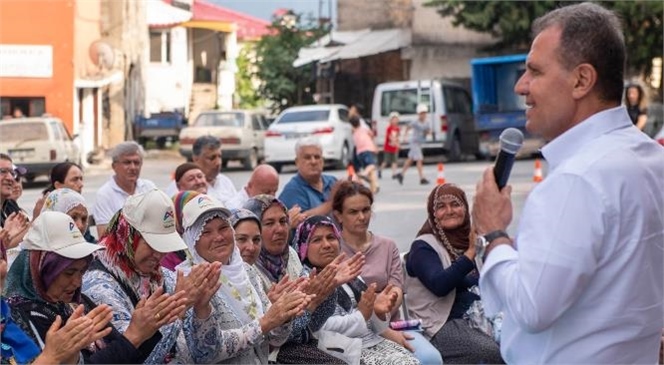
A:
222	189
110	198
587	282
238	200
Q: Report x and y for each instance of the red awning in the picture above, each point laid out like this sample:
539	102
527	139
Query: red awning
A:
248	27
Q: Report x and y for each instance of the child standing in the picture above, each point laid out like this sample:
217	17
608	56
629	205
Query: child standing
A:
366	152
391	146
420	129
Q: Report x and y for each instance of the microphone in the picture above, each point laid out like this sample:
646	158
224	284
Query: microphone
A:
511	140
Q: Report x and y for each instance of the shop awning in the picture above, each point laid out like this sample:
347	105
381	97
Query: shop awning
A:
93	82
349	45
161	14
219	26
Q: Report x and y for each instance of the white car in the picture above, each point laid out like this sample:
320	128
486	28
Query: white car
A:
328	123
37	144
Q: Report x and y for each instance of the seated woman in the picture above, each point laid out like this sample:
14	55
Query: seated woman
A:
352	209
277	262
440	275
360	314
248	239
242	321
127	274
48	290
173	259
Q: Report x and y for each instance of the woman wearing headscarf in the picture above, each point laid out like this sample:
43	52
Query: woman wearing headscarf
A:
441	281
128	273
247	229
242	323
173	259
48	290
278	263
360	313
73	204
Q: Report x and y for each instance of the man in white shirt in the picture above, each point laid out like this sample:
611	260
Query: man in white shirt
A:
206	153
263	180
127	160
583	281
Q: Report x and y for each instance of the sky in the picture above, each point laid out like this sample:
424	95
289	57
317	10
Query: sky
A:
264	8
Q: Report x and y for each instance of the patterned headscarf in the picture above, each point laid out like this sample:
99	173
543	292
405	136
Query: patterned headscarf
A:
306	229
456	240
121	241
179	201
239	215
63	200
274	265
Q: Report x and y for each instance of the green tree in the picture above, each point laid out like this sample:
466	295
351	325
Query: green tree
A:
282	84
509	22
245	78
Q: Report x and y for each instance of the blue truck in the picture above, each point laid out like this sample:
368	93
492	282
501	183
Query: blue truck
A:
495	104
160	127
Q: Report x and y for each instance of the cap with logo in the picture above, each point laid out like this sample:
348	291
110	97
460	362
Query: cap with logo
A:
57	232
198	206
153	216
422	108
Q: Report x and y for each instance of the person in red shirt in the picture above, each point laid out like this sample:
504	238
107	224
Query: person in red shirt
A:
391	146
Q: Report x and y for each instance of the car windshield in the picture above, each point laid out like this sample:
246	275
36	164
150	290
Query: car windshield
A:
305	116
220	120
17	132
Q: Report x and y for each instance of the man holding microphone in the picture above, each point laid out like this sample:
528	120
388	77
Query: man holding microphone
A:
583	280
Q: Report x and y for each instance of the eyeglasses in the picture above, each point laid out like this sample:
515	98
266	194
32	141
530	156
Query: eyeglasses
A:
10	172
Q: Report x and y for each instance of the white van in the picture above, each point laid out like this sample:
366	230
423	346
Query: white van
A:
450	114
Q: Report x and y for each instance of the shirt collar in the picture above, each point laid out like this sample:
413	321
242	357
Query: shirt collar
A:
568	143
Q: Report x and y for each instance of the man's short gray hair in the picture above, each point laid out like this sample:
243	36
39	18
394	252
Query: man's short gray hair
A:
127	148
590	34
205	142
307	142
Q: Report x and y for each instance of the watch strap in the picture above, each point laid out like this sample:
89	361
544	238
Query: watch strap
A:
491	236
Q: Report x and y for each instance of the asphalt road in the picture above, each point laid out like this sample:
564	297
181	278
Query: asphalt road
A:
399	210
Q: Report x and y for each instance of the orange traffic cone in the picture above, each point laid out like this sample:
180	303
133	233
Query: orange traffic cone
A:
537	176
350	171
440	178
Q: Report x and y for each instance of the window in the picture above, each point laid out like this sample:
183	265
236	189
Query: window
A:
29	107
457	101
16	133
305	116
343	115
220	120
403	101
57	133
160	46
256	122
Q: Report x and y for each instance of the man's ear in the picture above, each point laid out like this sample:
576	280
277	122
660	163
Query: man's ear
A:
585	79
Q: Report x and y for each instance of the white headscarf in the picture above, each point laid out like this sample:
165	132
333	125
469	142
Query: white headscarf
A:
236	288
63	200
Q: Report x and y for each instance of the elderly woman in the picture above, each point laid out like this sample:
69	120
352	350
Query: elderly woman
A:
48	290
243	322
441	278
277	262
73	204
173	259
352	208
127	274
360	314
63	175
247	229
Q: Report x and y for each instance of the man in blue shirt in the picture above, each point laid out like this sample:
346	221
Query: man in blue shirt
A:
309	189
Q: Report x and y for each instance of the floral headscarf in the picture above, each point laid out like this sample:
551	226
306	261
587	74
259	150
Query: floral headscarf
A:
274	265
456	241
63	200
239	215
306	229
121	241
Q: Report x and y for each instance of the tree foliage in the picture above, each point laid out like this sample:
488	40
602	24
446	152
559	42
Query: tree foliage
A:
282	84
245	80
509	22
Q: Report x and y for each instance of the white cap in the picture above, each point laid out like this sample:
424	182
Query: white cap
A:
422	108
153	216
199	205
57	232
394	114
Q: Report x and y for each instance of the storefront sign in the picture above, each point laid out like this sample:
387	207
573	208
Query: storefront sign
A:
26	61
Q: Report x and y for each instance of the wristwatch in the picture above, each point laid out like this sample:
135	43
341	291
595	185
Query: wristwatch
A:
482	242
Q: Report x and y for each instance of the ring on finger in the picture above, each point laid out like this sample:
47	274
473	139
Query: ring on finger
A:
157	316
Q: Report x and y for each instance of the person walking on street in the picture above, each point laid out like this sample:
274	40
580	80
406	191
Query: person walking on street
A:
420	128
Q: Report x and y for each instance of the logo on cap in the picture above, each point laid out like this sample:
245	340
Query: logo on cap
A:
204	201
168	215
71	226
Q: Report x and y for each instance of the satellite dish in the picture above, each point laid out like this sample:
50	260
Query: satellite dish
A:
102	54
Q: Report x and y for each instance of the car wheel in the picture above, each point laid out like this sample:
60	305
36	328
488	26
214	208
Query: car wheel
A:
277	166
250	162
454	153
344	158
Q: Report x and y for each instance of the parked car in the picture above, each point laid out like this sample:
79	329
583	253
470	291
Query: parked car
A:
38	144
159	127
241	133
329	123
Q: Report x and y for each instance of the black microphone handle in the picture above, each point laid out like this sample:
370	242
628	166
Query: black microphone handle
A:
503	168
